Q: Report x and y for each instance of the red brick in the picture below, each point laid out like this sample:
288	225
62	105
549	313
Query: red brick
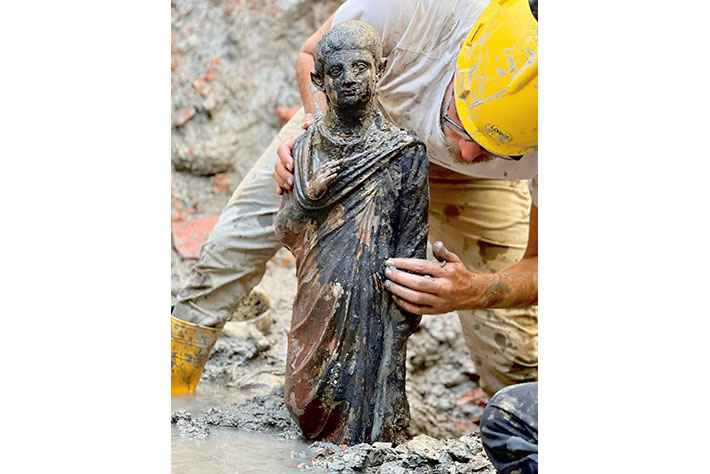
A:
189	236
284	113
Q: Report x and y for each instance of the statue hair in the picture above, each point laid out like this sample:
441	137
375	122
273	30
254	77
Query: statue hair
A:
352	34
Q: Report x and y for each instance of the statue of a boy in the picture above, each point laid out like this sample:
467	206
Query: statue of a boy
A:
360	196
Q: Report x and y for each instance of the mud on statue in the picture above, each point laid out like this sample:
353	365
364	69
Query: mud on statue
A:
360	197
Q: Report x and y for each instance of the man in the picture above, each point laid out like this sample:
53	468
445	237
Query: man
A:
484	222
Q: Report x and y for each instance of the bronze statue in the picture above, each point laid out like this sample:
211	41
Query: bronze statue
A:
360	197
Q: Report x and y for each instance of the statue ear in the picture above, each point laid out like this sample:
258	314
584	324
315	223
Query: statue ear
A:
317	80
381	68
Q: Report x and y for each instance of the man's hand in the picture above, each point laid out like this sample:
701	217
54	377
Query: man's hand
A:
283	171
435	288
307	121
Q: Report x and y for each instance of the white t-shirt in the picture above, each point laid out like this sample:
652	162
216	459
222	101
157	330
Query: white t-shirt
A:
421	41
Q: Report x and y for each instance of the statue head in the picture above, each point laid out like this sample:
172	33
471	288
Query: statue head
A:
348	64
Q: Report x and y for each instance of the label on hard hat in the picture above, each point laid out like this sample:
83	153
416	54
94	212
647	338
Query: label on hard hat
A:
495	131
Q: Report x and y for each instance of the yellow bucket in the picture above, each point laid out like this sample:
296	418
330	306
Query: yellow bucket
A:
190	346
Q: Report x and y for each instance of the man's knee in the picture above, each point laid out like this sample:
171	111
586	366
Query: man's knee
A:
509	429
502	345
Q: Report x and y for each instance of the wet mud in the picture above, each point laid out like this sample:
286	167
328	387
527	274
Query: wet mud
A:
261	414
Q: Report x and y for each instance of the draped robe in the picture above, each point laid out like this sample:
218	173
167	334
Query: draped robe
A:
345	368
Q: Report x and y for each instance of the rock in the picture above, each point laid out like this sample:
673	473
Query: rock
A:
182	116
355	457
392	468
473	443
204	158
425	447
402	449
210	103
459	451
323	449
480	463
411	460
444	458
337	465
381	445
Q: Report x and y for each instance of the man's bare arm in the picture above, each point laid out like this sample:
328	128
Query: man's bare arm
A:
435	289
304	66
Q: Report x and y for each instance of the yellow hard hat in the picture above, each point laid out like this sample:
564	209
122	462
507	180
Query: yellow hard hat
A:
496	78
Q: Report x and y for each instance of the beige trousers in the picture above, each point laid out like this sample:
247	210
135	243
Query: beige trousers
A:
485	222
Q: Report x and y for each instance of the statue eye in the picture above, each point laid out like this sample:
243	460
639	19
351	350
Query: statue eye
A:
361	66
335	72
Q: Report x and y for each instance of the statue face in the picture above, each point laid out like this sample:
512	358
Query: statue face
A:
350	78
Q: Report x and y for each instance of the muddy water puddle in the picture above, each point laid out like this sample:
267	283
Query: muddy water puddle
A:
209	395
228	450
231	451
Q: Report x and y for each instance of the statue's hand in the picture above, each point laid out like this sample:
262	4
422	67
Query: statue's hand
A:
325	173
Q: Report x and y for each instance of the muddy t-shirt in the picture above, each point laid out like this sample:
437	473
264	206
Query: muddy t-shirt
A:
421	41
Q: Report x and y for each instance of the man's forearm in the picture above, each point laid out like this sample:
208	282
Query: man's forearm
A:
512	287
304	66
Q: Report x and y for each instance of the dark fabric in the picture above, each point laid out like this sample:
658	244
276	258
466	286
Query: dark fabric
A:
509	429
345	366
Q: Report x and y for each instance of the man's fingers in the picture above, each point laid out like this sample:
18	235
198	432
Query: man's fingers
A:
412	308
415	282
283	178
416	297
417	265
442	254
284	152
307	121
283	170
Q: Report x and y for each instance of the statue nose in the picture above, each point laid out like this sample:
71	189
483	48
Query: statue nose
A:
349	78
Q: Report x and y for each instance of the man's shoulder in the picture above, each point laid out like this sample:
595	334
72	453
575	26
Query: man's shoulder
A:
404	136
